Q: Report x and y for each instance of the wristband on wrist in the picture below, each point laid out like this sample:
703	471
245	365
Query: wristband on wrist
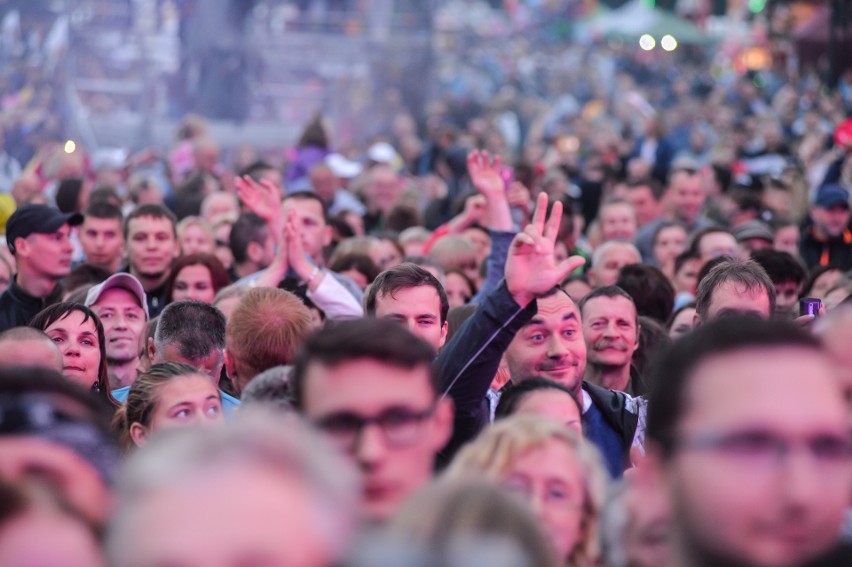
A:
314	273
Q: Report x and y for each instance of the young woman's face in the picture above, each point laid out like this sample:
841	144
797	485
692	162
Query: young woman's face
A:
549	477
552	404
186	401
78	342
670	242
457	289
194	282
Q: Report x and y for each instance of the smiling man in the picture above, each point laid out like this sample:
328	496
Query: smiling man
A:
38	238
120	304
152	247
611	330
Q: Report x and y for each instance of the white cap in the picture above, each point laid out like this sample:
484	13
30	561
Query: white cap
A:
123	281
382	152
342	167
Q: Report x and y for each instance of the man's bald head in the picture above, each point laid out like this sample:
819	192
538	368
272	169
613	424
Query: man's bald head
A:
25	346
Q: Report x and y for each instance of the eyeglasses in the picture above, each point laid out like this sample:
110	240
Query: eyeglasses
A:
765	450
399	426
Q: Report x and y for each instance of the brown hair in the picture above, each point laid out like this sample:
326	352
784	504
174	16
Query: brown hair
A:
265	329
142	398
218	274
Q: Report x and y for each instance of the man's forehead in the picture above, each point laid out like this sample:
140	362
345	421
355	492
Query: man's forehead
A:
619	254
147	222
98	221
603	305
429	299
117	296
557	306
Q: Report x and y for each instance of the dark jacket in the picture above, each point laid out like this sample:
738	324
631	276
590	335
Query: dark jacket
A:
17	307
833	252
621	412
469	362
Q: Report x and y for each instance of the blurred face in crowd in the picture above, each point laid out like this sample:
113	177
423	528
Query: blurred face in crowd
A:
611	329
480	240
551	345
419	309
646	535
151	246
195	240
194	282
577	289
124	323
616	256
324	183
102	241
787	298
382	189
732	297
78	341
457	289
32	352
670	242
761	484
832	221
550	479
189	523
715	244
46	255
63	471
72	543
682	323
405	425
787	239
646	206
554	405
618	222
310	224
685	196
183	401
825	282
686	279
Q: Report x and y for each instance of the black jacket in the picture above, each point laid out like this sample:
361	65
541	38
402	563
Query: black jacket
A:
17	307
833	252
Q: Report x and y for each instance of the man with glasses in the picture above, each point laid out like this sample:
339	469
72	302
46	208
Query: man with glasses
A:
371	386
748	439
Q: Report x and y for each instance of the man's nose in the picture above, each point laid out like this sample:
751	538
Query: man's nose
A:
369	446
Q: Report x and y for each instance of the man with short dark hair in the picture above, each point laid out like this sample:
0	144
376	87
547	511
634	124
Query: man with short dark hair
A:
101	236
252	244
734	286
712	242
646	198
370	385
38	238
754	461
787	275
152	246
611	331
412	296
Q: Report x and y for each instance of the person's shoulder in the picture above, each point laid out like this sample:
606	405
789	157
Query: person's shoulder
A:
613	400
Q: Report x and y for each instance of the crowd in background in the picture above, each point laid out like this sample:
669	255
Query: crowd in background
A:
593	309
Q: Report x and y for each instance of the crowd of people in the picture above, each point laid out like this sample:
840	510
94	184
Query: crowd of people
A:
606	330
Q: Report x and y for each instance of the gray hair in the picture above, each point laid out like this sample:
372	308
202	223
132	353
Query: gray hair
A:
194	328
597	255
258	438
270	388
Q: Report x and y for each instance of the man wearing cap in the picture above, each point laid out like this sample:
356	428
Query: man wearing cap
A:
122	307
754	235
828	241
38	237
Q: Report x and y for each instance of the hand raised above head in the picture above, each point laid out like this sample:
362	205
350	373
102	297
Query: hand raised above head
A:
531	267
263	199
485	174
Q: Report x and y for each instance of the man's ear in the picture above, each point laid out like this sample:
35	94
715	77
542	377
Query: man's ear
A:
22	248
696	320
254	251
231	369
152	350
176	253
444	328
138	434
327	235
638	337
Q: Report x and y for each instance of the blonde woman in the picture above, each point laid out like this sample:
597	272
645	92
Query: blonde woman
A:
561	477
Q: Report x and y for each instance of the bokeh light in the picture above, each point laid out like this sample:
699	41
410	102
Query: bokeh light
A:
668	42
70	146
647	42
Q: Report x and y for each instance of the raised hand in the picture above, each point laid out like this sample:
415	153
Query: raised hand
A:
531	268
485	174
263	199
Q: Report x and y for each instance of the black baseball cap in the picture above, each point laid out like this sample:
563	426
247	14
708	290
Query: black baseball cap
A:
40	219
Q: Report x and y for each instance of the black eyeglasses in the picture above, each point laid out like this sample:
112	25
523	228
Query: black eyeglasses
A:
399	426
